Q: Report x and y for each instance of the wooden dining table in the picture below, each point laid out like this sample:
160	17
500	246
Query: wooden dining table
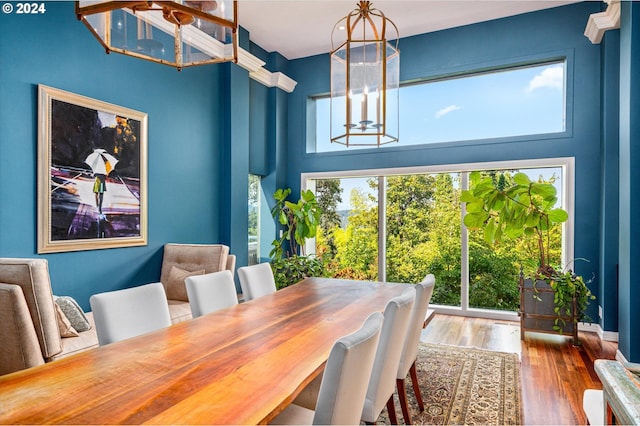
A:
240	365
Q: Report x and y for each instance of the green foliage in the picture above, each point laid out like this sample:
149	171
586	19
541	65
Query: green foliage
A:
491	278
522	207
329	195
357	245
290	270
300	221
254	199
569	286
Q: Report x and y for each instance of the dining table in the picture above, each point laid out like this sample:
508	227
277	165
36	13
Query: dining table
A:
239	365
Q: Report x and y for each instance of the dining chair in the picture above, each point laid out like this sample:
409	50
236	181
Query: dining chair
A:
344	381
122	314
593	406
256	280
381	387
407	365
210	292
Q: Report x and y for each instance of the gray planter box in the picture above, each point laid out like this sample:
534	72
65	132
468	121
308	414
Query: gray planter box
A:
539	315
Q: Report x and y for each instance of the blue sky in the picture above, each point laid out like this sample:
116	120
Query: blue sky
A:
514	102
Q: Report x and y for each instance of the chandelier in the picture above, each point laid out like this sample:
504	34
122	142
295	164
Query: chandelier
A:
365	79
179	33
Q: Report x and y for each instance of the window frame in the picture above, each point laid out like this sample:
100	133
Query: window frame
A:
567	164
563	58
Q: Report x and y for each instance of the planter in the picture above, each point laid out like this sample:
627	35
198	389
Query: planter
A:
537	310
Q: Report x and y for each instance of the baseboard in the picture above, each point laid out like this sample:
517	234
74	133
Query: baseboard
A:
608	336
620	357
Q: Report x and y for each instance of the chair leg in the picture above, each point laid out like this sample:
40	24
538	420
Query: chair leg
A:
402	396
416	386
391	408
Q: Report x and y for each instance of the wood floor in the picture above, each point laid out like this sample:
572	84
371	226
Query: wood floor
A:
554	373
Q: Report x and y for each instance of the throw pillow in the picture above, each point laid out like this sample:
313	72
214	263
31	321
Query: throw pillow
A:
176	289
66	329
73	312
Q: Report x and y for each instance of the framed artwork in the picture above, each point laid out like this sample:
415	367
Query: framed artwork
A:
92	173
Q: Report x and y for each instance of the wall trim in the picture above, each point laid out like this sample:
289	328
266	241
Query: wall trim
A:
620	357
598	23
608	336
257	72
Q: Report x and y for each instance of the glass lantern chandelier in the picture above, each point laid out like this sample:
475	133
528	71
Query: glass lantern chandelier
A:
365	79
179	33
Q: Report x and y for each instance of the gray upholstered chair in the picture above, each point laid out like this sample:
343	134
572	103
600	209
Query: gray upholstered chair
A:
182	260
344	382
256	280
211	292
122	314
20	348
407	365
385	367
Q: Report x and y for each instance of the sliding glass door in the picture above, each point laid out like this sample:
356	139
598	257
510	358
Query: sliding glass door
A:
398	227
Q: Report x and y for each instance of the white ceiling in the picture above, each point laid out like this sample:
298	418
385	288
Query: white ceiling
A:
300	28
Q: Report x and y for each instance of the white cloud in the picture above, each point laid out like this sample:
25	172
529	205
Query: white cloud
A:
551	77
447	110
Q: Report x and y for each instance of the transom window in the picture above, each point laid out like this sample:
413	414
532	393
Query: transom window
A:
526	100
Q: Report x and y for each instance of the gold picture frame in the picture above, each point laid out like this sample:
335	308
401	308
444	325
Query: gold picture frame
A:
92	173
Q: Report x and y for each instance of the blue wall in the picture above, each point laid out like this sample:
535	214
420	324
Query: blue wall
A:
184	145
609	185
536	36
629	289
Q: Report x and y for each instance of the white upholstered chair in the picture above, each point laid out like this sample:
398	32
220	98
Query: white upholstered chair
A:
385	367
407	365
211	292
122	314
256	280
344	382
593	406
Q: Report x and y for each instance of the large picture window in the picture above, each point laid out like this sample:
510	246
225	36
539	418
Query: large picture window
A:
486	105
399	225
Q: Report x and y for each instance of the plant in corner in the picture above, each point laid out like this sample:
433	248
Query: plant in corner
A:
515	207
300	221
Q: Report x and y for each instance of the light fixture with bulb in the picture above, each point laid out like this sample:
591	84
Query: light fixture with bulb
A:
365	79
180	33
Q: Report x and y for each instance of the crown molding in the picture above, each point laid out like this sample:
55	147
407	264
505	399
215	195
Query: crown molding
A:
598	23
257	72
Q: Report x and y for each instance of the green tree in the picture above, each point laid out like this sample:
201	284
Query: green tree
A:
357	245
254	199
329	195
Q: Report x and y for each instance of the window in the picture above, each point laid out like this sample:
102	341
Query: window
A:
348	236
399	225
254	219
471	107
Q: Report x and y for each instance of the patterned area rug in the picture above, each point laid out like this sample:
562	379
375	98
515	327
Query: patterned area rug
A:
464	386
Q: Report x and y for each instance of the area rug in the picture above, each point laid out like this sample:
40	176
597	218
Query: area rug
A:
464	386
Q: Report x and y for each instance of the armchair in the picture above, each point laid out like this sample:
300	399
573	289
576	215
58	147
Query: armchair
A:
20	348
32	277
183	260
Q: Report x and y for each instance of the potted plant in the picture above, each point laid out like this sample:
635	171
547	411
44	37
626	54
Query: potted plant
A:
515	207
300	221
